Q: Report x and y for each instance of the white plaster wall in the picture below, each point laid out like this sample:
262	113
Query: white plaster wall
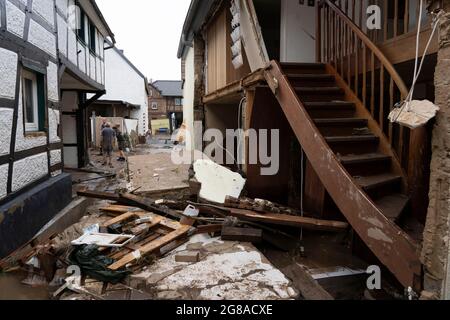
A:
188	99
45	9
62	6
15	19
28	170
23	142
55	157
98	70
82	57
92	66
123	83
53	122
62	36
72	47
52	82
8	72
3	180
298	30
42	39
6	119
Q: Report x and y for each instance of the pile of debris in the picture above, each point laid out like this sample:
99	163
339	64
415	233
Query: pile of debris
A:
139	230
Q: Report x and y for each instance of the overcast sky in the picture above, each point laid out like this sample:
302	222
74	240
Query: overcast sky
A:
149	32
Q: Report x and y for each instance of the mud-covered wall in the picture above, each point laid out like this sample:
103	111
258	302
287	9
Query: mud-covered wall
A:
436	254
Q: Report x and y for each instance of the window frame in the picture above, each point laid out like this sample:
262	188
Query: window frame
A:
30	126
154	105
92	42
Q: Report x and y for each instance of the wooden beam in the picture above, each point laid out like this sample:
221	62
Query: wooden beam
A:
241	234
291	221
150	248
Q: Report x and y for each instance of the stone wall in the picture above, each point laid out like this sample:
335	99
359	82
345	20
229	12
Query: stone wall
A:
435	254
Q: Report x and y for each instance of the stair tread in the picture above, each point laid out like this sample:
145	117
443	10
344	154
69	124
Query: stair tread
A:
392	206
363	158
319	89
303	64
370	182
329	104
310	76
355	138
331	121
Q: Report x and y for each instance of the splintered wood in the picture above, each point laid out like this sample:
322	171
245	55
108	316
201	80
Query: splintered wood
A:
153	234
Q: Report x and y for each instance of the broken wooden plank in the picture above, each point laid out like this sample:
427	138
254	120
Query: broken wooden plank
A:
212	228
291	221
118	209
148	205
120	219
150	248
99	195
241	234
309	288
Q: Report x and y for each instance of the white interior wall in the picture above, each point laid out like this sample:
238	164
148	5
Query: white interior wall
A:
298	32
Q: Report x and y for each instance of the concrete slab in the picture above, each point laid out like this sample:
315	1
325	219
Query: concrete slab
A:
227	271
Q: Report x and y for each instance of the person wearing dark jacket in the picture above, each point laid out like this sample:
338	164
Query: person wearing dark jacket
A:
121	143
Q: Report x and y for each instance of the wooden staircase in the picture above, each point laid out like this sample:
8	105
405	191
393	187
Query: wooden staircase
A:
352	158
349	136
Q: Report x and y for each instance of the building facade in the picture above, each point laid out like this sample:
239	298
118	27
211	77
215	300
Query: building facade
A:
126	91
41	61
165	104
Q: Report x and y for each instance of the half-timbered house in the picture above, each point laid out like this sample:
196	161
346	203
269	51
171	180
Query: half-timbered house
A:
48	66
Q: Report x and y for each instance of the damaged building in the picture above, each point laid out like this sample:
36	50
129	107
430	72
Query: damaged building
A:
328	78
52	66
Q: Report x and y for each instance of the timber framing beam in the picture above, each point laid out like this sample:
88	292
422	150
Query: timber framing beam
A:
235	88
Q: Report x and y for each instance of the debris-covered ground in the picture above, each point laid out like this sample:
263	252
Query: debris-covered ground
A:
150	229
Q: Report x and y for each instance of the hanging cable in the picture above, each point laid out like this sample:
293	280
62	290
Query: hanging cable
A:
417	67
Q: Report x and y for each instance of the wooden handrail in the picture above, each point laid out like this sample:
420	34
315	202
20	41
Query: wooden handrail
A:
364	68
369	44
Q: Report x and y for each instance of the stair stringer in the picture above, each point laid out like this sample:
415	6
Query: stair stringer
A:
391	245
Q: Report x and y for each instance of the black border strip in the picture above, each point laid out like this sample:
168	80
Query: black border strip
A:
7	103
56	167
29	153
3	15
14	43
12	146
26	29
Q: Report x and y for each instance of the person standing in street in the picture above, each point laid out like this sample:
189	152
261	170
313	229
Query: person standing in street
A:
120	143
104	122
108	136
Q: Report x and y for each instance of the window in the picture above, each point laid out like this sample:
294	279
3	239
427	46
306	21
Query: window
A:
92	37
154	106
81	31
178	102
33	101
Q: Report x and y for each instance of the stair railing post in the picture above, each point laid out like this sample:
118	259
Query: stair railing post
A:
318	32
